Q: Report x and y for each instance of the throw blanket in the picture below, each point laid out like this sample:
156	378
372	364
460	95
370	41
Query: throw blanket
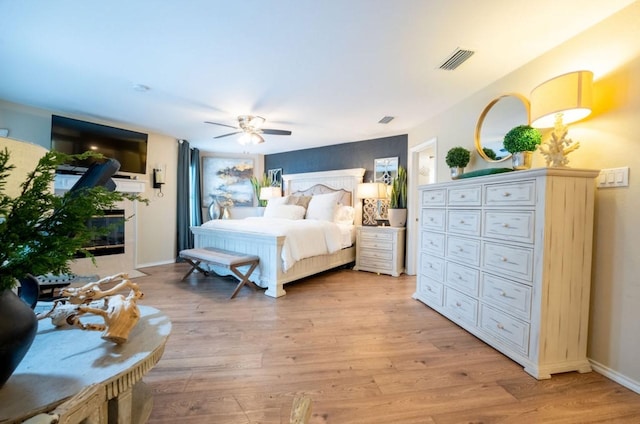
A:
304	238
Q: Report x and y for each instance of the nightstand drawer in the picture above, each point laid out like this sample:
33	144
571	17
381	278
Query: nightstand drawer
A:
510	260
464	222
434	197
507	295
512	331
516	226
374	264
375	235
460	306
433	219
374	254
462	278
463	250
510	194
433	243
464	196
431	290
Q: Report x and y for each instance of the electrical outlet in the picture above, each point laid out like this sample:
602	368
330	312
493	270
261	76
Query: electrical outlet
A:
614	177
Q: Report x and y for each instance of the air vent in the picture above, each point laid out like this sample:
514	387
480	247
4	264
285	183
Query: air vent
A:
456	59
385	120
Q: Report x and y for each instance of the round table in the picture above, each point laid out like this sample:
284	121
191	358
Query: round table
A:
63	361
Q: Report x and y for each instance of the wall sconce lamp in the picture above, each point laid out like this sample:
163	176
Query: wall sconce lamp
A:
158	180
556	103
371	193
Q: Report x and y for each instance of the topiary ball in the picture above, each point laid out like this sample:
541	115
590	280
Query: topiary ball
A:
523	138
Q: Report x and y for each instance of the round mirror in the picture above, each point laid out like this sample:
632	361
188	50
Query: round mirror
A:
497	118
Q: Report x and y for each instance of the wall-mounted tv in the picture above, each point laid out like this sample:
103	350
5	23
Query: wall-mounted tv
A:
73	136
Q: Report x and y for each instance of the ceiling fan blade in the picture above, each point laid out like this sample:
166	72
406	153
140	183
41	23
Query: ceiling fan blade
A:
226	135
276	132
222	125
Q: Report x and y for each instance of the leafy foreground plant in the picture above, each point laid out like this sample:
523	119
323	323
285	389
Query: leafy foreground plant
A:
41	232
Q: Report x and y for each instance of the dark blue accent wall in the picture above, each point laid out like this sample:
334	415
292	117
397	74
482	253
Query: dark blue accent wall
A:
359	154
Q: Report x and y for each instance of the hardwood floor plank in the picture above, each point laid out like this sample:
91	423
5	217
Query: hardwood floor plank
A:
359	345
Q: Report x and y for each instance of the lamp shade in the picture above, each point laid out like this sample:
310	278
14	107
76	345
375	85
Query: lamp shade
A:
267	193
568	94
371	191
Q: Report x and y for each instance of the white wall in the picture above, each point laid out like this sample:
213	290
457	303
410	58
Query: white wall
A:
609	138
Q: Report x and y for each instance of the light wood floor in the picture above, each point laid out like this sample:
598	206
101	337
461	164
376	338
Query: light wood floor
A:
359	346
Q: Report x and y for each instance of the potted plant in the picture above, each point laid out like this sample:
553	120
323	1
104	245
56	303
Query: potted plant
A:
39	234
457	159
521	142
257	184
398	200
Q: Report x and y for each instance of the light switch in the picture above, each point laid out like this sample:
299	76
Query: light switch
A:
614	177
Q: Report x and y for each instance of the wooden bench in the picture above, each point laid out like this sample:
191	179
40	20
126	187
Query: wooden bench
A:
223	258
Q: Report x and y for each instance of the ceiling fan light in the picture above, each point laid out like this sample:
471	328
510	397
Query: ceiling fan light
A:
256	121
245	138
256	138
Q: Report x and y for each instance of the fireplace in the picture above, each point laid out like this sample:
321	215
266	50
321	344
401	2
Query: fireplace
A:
113	242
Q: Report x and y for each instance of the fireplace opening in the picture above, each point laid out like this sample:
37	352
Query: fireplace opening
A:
111	243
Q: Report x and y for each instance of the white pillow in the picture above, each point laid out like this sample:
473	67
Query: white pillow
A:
344	215
284	211
276	201
323	206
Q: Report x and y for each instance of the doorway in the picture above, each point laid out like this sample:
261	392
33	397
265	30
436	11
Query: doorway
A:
422	164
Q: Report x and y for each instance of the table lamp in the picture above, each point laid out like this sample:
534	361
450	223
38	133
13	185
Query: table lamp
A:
556	103
371	193
267	193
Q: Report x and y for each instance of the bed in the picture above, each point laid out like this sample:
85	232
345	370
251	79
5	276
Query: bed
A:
271	272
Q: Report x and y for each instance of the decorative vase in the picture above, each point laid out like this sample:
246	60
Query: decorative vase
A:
456	172
397	217
521	160
18	328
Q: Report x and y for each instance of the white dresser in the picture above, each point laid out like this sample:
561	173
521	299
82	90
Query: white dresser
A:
508	258
380	249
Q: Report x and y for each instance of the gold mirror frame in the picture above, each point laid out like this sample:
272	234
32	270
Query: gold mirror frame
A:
505	123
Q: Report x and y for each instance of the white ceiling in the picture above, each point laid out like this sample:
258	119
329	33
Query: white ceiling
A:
327	70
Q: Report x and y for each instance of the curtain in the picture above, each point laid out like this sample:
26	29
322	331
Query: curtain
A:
196	190
185	237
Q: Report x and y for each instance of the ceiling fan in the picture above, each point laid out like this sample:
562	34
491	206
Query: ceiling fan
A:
251	126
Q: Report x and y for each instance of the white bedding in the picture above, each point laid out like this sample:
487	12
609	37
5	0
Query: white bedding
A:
304	238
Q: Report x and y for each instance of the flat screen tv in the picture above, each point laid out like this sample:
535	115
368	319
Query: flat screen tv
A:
73	136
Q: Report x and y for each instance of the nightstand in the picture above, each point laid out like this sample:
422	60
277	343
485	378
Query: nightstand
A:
380	249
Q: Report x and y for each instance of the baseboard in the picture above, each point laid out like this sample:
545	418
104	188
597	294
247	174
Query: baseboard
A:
615	376
167	262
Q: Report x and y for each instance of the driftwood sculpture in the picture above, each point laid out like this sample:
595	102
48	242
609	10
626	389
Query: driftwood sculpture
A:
120	313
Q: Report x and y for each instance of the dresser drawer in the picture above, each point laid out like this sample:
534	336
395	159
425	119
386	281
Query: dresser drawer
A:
434	197
510	194
515	226
431	290
433	243
460	306
464	196
462	278
507	295
510	260
464	222
432	267
463	250
511	331
433	219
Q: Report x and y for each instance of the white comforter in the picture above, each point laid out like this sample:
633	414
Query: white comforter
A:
304	238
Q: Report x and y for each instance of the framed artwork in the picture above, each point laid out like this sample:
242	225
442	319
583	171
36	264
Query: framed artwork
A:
227	181
275	177
385	170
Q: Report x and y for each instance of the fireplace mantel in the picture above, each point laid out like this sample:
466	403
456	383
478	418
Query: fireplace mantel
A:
64	182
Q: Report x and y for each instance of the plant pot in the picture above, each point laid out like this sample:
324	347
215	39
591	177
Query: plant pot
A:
397	217
18	328
456	172
521	160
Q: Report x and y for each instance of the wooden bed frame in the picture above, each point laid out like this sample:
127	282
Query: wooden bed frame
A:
269	273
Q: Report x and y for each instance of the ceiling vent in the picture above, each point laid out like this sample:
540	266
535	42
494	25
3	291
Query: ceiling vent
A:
385	120
456	59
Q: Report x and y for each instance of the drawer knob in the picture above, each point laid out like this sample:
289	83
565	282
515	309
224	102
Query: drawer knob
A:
462	221
500	326
503	259
462	196
458	304
431	219
506	194
505	225
429	288
503	294
460	249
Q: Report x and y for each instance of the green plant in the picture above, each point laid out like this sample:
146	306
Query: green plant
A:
257	184
490	153
398	198
457	157
41	232
522	138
